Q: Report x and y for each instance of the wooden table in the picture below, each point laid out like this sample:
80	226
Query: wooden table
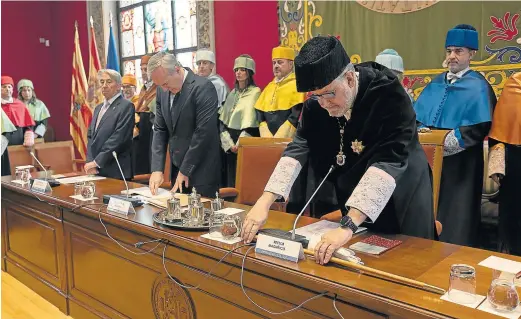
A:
67	257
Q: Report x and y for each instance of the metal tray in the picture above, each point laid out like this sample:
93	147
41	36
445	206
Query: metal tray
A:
181	225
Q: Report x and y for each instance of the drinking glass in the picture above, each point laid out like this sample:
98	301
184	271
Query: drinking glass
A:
231	227
216	224
462	284
88	190
502	295
77	188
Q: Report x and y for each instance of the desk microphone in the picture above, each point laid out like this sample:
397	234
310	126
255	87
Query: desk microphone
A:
52	181
292	236
135	202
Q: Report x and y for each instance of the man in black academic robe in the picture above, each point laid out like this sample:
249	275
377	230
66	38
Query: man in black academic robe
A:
360	120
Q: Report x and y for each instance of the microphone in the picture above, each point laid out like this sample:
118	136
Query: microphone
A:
34	156
134	201
309	201
52	181
121	171
292	236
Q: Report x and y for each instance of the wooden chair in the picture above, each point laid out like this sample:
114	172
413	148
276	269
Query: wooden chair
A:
58	156
19	156
257	158
433	143
144	178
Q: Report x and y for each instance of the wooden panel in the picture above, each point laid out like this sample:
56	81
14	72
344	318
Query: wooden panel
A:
32	240
104	280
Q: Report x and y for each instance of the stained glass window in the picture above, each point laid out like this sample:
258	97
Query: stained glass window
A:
134	67
146	27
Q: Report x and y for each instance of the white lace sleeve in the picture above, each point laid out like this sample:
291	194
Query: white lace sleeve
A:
452	144
283	177
372	192
496	160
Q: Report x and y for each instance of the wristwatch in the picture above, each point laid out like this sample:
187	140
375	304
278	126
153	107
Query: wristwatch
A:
347	222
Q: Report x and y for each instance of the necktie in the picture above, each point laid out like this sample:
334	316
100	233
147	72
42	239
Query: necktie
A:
102	112
451	77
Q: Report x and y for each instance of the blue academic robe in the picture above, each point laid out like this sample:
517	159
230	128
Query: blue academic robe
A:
464	106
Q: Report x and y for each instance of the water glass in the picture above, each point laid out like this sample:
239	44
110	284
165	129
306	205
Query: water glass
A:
462	284
173	209
23	175
216	224
77	188
231	227
502	295
88	189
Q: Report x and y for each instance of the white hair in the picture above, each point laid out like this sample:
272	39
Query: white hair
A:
162	59
114	75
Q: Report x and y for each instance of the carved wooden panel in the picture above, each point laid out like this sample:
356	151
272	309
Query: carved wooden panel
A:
105	280
170	301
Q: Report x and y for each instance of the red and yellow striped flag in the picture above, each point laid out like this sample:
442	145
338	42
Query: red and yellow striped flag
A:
94	96
81	113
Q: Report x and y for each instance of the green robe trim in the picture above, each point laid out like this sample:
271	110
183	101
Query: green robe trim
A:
6	124
38	110
238	111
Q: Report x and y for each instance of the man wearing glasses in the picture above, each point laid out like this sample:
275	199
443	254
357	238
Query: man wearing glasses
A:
460	100
360	120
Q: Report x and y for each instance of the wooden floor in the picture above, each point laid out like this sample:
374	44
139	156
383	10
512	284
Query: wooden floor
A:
20	302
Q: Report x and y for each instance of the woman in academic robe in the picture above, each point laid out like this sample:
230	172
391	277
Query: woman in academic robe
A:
39	112
504	163
21	131
237	117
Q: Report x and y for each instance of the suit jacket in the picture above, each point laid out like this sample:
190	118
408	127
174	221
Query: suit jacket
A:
114	133
190	129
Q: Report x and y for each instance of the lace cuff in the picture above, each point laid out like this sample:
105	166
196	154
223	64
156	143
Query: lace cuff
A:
452	145
496	160
226	141
372	192
283	177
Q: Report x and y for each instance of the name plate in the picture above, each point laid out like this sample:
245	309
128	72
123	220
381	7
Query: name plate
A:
280	248
40	185
120	206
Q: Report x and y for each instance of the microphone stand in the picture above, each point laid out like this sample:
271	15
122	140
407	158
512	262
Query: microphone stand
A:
134	201
52	181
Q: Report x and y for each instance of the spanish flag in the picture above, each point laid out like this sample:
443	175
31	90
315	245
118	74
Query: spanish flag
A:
94	96
81	113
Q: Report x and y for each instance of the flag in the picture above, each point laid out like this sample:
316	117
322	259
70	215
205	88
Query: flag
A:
94	96
81	113
112	56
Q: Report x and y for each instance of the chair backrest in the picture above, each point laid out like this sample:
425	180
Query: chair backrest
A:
257	158
59	156
19	156
490	188
433	144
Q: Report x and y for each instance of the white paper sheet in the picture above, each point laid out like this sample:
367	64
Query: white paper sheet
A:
222	240
78	179
320	228
485	306
478	300
145	191
58	176
502	264
79	197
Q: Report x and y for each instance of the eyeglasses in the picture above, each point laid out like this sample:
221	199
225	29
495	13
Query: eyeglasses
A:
327	96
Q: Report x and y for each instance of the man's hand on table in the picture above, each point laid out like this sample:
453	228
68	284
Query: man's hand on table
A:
256	217
331	241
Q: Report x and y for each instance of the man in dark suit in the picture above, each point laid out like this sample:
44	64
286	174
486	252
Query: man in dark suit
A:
110	130
186	121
